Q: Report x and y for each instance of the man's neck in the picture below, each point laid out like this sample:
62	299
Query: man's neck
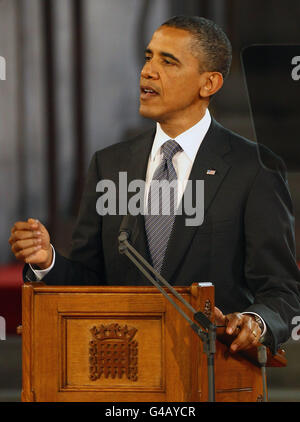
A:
177	126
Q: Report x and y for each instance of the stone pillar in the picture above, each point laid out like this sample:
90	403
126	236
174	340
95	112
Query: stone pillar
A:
10	171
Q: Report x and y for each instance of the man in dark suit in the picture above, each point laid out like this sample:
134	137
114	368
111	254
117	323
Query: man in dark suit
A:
245	245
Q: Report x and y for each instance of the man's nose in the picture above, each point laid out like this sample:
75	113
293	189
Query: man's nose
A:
149	71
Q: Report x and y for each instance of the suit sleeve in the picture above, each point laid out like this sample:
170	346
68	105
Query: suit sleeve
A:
271	270
85	266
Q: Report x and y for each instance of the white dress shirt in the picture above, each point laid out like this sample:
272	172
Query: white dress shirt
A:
190	142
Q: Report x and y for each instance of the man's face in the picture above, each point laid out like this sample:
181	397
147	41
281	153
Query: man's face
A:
170	79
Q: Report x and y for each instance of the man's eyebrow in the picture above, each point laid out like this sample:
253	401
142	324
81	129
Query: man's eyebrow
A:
164	54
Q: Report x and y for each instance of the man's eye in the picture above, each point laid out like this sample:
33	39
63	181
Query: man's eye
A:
147	58
168	62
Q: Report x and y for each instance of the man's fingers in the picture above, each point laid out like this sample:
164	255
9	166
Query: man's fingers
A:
30	224
30	242
23	234
245	327
21	225
24	244
233	322
243	342
33	221
25	253
22	230
219	316
249	335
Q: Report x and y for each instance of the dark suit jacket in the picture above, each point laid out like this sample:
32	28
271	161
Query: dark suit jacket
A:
245	245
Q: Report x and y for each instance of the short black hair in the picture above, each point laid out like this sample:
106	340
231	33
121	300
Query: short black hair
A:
208	39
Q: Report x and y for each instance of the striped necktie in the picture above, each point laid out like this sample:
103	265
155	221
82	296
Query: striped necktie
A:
161	207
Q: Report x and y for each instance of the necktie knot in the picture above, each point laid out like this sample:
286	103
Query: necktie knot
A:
170	148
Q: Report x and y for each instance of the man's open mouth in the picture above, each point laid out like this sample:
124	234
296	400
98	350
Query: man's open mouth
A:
147	92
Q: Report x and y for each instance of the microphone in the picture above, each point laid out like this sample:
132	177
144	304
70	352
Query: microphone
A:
128	232
129	228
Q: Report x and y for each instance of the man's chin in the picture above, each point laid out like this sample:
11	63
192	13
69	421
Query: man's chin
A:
148	113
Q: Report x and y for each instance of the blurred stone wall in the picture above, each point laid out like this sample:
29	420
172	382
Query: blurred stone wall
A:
114	34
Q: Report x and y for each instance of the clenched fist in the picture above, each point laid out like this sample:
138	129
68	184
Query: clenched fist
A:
30	243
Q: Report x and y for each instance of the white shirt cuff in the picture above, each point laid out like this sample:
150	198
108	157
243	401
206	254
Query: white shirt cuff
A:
40	274
264	324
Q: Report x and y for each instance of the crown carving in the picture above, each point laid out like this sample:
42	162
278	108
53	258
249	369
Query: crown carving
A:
113	331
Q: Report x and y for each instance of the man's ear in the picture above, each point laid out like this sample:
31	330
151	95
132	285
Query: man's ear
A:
211	82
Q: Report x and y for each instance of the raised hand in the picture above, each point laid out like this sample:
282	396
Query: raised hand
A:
30	243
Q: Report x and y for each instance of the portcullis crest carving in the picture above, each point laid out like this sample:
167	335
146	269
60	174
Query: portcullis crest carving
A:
113	352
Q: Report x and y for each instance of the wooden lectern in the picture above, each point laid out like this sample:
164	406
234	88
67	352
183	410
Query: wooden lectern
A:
125	344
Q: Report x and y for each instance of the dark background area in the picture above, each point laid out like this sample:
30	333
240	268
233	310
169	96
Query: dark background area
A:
71	88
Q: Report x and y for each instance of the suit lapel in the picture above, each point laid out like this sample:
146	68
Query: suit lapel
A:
209	157
137	163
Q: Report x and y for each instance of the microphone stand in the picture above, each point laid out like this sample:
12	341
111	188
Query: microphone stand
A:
262	359
208	335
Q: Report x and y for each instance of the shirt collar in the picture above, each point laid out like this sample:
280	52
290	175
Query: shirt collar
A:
190	140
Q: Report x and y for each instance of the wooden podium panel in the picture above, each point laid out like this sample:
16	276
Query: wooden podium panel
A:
111	344
60	358
80	361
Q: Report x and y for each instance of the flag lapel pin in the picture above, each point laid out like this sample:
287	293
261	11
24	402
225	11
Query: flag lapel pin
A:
211	172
